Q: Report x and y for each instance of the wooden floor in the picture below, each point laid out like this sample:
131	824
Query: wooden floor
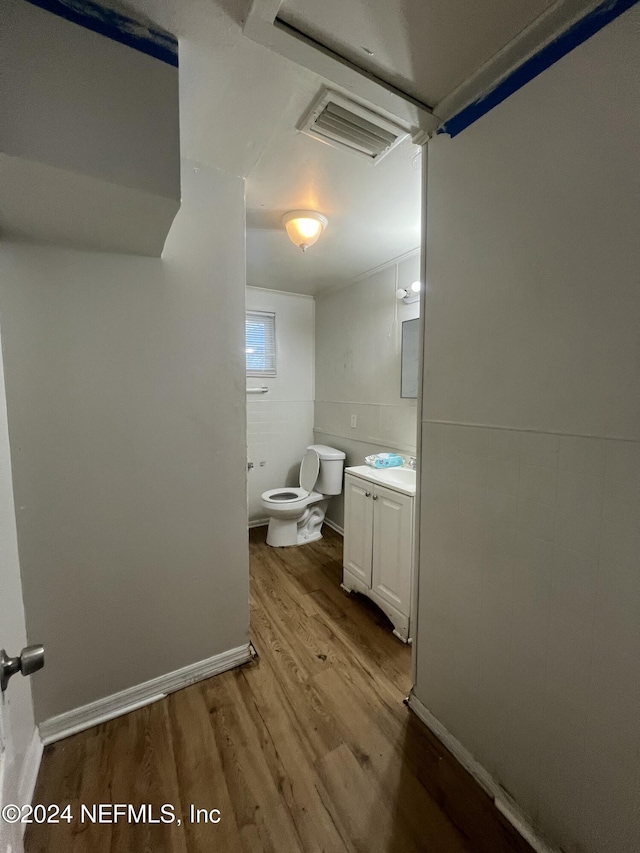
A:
308	748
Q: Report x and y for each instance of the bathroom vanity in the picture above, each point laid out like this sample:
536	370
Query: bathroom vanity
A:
378	540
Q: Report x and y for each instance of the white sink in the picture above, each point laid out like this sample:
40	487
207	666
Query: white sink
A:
401	479
403	476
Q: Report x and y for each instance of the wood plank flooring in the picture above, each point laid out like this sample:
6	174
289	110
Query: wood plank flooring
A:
308	748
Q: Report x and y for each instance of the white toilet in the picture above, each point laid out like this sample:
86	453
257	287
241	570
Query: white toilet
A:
296	515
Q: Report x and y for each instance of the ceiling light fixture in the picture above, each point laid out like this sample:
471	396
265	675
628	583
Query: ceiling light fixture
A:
411	293
304	227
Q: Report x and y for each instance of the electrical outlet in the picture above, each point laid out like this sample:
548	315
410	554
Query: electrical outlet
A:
354	421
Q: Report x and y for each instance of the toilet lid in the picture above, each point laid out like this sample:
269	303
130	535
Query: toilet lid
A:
309	468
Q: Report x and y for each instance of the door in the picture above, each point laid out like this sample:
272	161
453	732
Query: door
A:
13	717
392	547
10	836
358	528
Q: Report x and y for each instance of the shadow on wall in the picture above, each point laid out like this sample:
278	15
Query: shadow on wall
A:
293	475
235	9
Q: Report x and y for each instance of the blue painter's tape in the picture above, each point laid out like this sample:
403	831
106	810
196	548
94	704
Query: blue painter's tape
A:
547	56
139	35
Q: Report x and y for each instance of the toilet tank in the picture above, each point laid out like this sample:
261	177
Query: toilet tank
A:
329	480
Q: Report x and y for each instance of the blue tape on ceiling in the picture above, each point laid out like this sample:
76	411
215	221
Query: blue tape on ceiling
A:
139	35
547	56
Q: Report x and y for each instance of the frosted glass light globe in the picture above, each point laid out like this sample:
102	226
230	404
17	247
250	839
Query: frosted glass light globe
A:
304	227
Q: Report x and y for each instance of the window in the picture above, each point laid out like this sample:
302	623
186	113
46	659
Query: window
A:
261	343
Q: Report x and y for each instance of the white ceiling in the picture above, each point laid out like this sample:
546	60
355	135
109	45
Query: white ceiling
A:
424	47
244	101
373	210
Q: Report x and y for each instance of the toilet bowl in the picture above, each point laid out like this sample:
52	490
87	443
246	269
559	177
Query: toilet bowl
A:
296	514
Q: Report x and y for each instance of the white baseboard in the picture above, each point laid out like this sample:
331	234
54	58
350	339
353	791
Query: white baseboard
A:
29	771
334	526
263	522
503	802
87	716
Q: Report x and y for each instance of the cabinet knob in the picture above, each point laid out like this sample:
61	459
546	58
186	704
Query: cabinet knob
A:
375	497
367	494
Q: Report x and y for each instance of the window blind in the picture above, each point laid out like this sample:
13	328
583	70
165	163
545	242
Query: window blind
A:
261	343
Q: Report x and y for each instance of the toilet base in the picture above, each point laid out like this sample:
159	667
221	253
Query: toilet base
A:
286	532
278	539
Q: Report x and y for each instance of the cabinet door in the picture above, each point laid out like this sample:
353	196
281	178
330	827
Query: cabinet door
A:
393	547
358	527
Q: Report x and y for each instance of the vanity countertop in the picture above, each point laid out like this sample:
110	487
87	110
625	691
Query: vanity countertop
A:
401	480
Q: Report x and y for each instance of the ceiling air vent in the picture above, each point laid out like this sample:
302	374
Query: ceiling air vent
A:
341	122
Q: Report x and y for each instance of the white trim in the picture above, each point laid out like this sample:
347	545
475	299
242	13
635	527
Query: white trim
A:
409	405
334	526
29	771
87	716
263	522
402	449
393	262
505	804
58	728
273	290
262	26
528	429
415	579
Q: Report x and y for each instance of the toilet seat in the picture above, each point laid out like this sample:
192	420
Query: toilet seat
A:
285	495
289	497
309	470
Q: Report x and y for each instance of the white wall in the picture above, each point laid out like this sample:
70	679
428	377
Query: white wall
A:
125	392
18	704
529	608
90	150
82	102
280	422
358	359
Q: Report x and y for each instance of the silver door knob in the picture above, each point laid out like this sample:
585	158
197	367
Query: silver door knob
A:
30	660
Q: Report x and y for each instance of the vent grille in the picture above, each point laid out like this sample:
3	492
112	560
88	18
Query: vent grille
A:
341	122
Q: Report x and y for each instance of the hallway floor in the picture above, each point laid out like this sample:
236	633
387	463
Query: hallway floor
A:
307	748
